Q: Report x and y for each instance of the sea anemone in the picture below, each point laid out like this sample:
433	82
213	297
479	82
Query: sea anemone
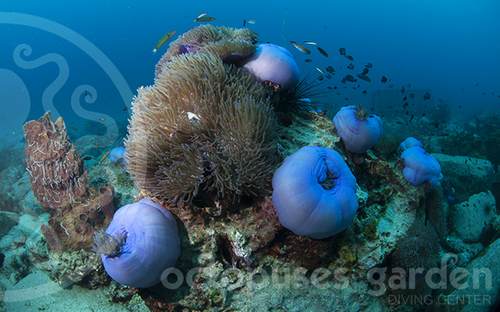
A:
232	45
419	166
359	130
274	65
204	125
141	242
314	192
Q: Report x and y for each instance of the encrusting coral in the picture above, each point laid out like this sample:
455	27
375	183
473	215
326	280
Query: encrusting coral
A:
204	125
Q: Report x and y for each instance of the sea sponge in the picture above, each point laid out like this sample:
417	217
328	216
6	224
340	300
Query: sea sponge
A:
358	130
204	125
230	44
306	201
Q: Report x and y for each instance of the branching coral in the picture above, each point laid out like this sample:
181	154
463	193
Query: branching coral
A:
203	125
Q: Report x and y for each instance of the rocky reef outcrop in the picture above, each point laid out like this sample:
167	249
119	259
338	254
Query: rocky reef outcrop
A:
59	182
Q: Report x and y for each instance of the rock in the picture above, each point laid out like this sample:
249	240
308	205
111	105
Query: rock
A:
480	298
7	221
467	175
470	218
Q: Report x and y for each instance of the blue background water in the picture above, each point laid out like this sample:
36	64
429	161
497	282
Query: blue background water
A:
450	46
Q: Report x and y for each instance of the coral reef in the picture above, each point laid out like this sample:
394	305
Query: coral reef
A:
203	127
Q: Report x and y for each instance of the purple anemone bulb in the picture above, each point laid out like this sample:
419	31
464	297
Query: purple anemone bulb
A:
273	64
358	130
419	166
141	242
314	193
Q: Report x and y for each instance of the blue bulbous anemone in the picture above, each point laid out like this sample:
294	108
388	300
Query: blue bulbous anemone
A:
358	130
304	199
419	166
274	65
117	155
141	242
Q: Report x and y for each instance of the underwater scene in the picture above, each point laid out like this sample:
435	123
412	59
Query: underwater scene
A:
279	156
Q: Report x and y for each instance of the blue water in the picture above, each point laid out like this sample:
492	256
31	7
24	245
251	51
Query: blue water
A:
450	47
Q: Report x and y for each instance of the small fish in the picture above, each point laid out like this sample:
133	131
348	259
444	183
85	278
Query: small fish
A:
321	78
322	51
364	77
427	96
308	60
163	40
319	70
364	92
310	43
384	79
348	78
403	89
369	65
349	57
328	76
300	47
305	100
350	66
405	104
365	71
87	157
411	118
342	51
193	116
250	21
204	18
405	98
330	69
412	95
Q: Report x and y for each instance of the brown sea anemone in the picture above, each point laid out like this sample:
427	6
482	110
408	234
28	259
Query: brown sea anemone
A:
204	128
230	44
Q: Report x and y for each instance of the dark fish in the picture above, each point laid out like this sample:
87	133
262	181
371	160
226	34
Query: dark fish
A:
87	157
364	77
403	89
350	66
328	76
383	79
342	51
330	69
365	71
411	118
365	92
412	95
349	57
369	65
405	98
405	104
308	60
348	78
329	88
321	77
427	96
322	51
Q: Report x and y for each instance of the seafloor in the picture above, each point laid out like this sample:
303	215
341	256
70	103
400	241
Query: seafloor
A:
398	225
56	192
